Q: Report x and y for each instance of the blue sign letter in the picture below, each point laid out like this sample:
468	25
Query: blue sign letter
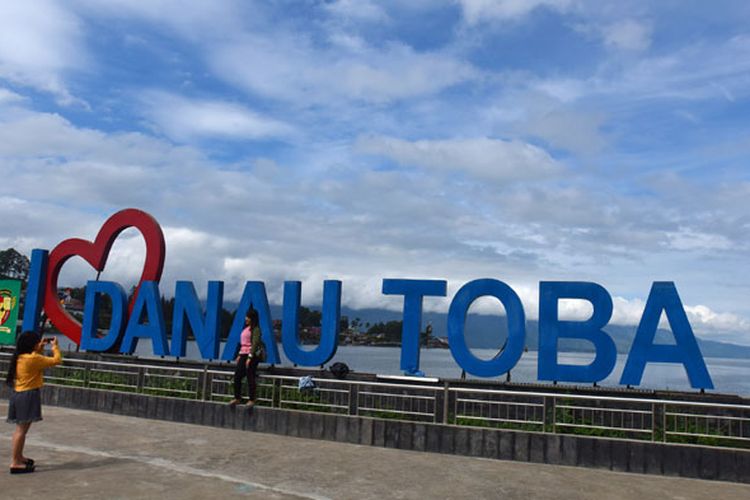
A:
90	341
551	329
664	297
148	300
329	334
413	291
35	290
254	296
510	355
206	332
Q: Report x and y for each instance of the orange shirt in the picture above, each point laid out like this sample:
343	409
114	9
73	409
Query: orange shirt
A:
29	369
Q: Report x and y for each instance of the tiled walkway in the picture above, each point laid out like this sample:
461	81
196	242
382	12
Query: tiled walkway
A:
84	454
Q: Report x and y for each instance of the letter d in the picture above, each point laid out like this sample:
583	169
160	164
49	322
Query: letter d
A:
94	289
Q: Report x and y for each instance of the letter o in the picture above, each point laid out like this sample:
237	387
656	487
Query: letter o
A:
516	327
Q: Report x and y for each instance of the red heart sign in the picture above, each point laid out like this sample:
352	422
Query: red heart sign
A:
96	254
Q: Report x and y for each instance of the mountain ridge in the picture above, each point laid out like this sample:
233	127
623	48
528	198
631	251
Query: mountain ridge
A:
486	331
489	331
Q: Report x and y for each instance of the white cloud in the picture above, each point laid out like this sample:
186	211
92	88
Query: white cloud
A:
627	81
724	91
39	42
703	318
629	35
241	224
476	11
184	119
721	74
562	89
688	239
485	158
290	68
8	97
567	128
627	311
198	20
316	208
26	135
360	10
253	49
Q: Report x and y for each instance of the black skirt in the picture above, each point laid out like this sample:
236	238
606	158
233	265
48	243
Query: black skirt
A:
25	407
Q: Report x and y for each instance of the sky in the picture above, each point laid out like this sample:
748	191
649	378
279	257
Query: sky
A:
521	140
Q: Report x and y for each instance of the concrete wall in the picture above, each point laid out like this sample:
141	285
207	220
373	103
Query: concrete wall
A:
723	464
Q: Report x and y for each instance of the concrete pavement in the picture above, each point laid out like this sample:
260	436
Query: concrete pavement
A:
82	455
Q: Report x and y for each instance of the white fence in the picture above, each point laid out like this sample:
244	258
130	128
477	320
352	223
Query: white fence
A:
430	401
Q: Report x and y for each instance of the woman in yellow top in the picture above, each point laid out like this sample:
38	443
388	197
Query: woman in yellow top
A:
25	377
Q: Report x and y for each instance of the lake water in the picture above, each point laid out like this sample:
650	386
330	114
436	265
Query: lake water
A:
730	376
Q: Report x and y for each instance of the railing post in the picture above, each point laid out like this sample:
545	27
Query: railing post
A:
659	420
353	399
446	400
548	416
276	393
141	381
554	414
204	384
87	376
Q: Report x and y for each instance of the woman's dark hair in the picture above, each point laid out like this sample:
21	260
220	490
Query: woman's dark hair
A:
25	344
252	314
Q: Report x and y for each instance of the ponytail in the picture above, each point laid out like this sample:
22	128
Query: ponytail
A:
25	344
11	378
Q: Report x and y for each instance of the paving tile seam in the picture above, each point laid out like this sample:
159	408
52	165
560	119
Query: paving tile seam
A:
166	464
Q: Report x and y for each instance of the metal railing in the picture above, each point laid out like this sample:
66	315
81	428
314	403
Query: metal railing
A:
436	401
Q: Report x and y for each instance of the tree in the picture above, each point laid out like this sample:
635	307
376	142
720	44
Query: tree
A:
13	265
391	330
309	317
167	307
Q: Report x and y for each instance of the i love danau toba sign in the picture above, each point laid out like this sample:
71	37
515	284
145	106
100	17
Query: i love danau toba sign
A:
127	328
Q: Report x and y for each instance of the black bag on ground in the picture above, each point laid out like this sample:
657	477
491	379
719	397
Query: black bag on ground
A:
339	370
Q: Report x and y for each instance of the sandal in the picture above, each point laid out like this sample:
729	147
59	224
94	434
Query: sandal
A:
22	470
29	462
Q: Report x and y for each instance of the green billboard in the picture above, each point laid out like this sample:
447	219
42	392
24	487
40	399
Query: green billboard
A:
10	291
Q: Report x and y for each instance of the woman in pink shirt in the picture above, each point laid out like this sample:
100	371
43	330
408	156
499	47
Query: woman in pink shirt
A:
248	359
